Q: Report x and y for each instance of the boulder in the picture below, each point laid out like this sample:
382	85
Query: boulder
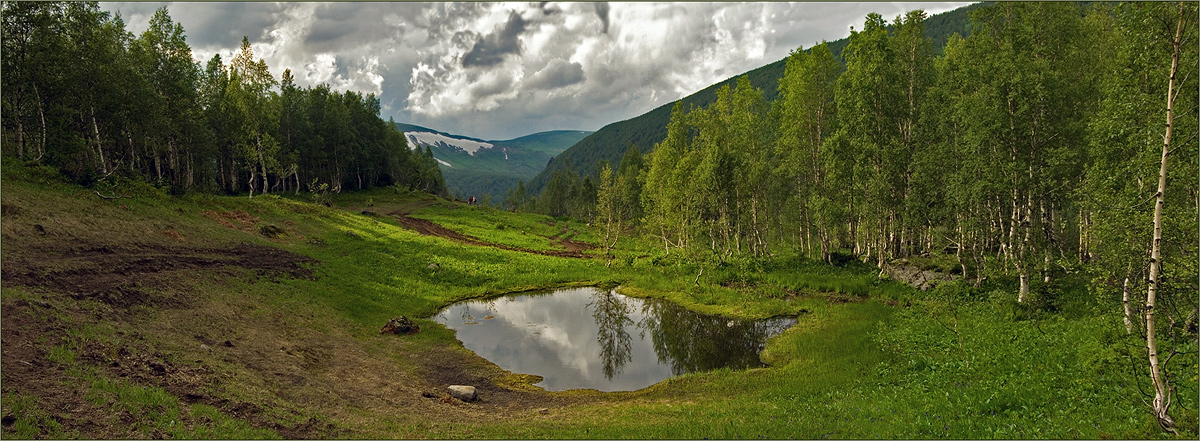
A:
400	325
902	271
465	393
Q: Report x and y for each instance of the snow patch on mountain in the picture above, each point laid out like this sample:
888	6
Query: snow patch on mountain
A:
416	139
447	164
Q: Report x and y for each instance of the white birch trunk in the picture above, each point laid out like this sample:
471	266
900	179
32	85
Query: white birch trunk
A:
1162	399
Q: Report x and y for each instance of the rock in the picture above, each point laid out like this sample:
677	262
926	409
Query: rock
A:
913	275
465	393
432	266
400	325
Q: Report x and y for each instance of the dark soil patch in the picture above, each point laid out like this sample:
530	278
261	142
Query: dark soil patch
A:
573	249
127	276
443	368
120	277
409	208
571	245
239	220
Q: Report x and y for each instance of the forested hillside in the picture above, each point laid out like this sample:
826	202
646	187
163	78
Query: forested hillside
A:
82	94
650	128
488	170
1057	139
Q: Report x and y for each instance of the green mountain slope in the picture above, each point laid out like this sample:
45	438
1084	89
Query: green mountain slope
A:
609	143
475	167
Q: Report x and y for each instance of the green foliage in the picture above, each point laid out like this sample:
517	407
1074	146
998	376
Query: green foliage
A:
319	192
649	129
1028	152
84	96
948	363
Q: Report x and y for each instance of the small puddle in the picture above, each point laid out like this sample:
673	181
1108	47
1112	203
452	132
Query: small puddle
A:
597	339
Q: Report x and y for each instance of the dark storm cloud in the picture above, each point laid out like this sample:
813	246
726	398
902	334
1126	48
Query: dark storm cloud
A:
602	12
547	9
559	73
490	49
334	22
224	24
336	26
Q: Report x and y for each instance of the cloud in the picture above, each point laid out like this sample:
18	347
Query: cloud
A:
559	73
602	12
502	70
490	50
548	8
212	25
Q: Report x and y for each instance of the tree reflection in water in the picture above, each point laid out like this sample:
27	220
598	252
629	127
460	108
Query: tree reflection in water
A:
634	342
691	342
612	315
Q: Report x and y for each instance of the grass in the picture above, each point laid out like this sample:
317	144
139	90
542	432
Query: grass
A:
523	230
305	352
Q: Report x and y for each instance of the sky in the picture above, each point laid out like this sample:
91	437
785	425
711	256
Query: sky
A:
498	71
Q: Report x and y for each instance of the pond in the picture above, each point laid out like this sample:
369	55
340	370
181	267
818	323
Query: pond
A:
591	338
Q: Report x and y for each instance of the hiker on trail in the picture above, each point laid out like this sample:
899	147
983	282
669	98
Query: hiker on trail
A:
471	201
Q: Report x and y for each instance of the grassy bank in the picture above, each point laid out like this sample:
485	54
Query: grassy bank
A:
225	317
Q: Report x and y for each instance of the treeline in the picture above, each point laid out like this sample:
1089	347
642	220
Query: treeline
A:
1056	138
1030	147
82	94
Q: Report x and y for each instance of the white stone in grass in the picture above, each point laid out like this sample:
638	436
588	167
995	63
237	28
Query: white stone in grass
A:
465	393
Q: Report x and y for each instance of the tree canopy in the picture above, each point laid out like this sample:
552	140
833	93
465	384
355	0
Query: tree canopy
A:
86	96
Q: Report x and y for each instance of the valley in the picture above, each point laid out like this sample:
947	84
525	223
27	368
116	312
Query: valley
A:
489	169
234	333
976	224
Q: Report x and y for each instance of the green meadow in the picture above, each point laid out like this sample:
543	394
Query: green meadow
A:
251	350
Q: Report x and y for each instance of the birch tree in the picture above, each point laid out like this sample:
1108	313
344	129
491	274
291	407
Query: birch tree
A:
249	83
1142	187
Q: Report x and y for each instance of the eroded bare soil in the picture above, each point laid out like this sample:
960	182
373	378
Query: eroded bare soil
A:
173	314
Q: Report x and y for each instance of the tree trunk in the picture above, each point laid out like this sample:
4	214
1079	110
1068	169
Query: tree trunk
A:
42	115
262	163
99	146
1047	233
251	182
157	165
20	134
1128	307
1162	399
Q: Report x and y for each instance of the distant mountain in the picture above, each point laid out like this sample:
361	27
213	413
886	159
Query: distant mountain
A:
609	143
475	167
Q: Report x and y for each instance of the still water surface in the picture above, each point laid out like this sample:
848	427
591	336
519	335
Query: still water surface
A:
595	338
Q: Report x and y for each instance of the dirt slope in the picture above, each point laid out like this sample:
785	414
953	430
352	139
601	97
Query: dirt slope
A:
99	293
